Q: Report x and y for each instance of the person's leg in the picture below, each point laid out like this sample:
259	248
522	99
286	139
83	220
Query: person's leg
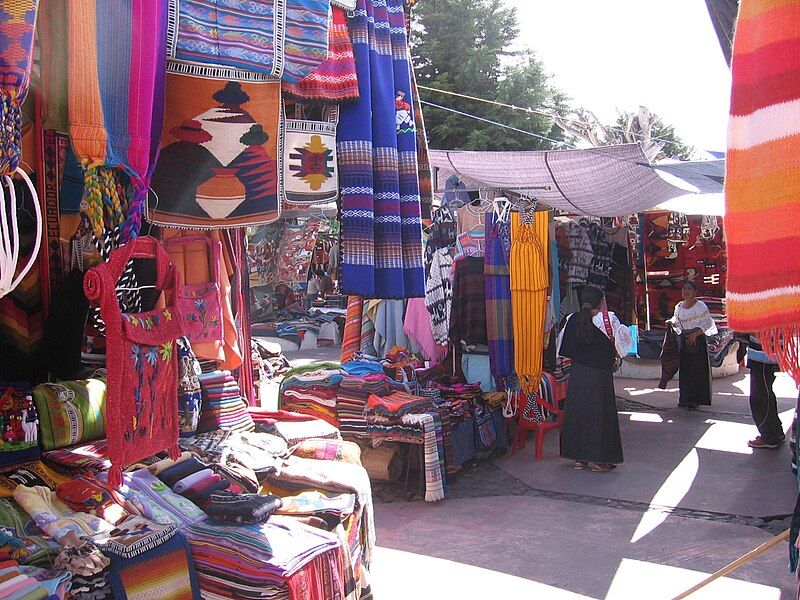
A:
763	404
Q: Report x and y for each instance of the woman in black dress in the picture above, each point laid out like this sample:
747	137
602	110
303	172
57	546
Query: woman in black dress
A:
590	432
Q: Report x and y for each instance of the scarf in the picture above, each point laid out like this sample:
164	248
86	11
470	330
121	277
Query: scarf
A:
434	486
117	59
380	203
763	179
17	23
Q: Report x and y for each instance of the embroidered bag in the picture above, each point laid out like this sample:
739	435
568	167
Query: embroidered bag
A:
199	304
310	174
142	394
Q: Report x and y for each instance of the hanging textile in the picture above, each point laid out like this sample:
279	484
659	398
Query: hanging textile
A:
17	24
380	205
310	174
763	179
218	164
142	393
499	322
439	295
351	339
529	282
423	159
468	315
117	57
296	251
334	80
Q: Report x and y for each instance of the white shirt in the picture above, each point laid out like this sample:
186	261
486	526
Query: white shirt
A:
313	287
697	317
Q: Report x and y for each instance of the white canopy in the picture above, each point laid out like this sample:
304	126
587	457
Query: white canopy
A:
610	181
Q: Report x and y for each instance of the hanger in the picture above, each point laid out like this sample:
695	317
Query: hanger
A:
501	206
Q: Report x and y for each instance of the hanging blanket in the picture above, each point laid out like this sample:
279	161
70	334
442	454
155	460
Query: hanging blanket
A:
117	57
335	80
17	23
380	206
218	161
296	251
763	179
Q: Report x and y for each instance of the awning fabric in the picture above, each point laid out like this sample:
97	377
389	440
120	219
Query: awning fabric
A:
708	176
610	181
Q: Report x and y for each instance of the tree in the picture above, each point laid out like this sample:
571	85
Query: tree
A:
658	139
465	46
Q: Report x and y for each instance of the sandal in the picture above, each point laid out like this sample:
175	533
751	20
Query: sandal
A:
580	465
603	467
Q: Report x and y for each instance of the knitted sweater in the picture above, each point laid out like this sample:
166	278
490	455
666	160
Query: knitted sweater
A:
439	295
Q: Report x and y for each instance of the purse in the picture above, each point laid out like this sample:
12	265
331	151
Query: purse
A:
485	430
200	304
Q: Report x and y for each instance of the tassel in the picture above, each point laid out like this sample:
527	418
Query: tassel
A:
115	477
175	452
783	344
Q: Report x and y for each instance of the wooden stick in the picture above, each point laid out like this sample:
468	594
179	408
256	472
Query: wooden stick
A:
736	564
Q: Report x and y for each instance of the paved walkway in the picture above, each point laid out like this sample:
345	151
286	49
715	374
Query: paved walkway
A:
690	498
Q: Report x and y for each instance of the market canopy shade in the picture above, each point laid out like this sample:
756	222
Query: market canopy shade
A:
708	176
610	181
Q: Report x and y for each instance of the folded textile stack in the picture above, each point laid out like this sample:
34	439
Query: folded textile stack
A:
396	404
718	308
293	427
354	392
20	582
251	557
86	458
312	393
223	406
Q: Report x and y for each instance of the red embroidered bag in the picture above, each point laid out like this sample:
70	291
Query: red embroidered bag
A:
199	304
142	360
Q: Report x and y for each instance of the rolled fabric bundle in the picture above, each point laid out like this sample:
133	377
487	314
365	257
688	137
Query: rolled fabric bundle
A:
175	473
182	485
165	464
201	485
204	496
242	508
93	285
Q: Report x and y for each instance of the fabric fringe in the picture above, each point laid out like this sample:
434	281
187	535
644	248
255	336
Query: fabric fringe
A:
783	345
10	133
115	476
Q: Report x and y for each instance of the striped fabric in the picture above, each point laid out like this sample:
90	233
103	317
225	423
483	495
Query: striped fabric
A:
117	58
762	184
499	322
306	42
529	282
334	80
380	206
351	340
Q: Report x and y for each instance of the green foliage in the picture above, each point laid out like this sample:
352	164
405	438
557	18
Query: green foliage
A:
465	46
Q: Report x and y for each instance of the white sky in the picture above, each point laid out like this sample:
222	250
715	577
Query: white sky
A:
620	54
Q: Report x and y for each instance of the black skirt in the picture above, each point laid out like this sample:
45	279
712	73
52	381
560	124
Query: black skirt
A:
590	431
694	377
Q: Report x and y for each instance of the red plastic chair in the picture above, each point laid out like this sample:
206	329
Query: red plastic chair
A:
551	417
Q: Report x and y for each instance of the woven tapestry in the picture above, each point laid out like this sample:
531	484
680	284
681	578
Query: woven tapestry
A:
309	166
380	205
218	163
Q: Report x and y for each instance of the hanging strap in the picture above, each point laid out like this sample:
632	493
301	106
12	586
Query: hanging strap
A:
609	329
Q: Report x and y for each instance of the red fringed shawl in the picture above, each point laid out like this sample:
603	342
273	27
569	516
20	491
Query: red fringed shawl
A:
142	393
762	184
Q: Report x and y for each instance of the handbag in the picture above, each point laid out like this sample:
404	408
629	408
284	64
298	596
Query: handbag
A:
200	304
485	430
142	386
617	365
310	172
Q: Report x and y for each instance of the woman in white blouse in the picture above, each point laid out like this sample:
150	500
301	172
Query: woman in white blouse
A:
692	323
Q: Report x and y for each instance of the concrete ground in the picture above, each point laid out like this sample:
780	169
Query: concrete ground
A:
690	498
